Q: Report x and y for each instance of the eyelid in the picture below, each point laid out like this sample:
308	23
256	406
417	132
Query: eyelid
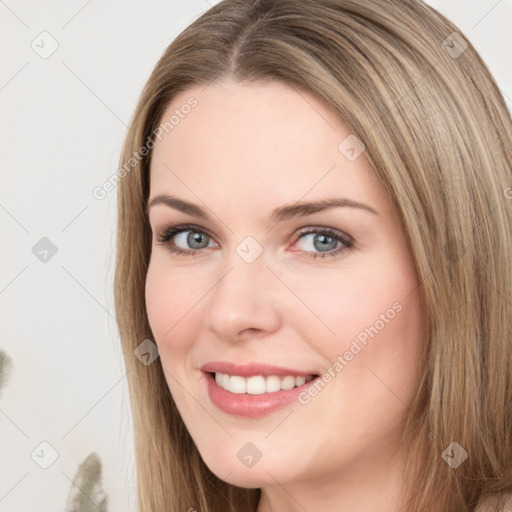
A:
323	229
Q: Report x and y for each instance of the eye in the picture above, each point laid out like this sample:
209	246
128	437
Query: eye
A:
189	240
325	241
192	238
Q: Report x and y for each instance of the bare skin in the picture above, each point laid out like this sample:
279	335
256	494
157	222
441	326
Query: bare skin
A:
241	152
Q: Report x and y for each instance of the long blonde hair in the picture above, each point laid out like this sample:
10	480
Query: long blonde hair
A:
438	135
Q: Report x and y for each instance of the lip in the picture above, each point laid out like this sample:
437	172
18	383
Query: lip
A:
244	404
252	369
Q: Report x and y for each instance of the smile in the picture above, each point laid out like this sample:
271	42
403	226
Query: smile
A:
259	384
248	396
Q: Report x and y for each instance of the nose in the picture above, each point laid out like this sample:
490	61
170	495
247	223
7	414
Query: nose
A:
244	301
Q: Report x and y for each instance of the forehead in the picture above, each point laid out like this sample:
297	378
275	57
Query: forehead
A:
249	121
256	142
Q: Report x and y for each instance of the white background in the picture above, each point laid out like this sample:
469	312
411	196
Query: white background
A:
63	120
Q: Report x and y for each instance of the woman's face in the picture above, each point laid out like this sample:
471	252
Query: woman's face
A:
311	290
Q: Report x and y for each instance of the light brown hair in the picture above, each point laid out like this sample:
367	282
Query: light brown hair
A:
438	135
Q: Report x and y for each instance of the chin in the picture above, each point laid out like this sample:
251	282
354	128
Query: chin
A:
260	475
247	479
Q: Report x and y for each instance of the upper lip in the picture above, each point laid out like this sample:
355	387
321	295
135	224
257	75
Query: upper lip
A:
251	369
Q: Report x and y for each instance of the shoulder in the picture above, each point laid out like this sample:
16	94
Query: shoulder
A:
487	504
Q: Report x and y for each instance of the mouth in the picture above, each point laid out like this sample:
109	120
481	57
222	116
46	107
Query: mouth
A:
260	384
255	396
254	389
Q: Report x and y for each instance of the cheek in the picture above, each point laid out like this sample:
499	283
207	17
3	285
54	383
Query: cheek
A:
346	302
372	316
170	305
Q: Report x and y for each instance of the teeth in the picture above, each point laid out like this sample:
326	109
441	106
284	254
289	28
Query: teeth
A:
237	384
288	383
255	385
258	384
273	384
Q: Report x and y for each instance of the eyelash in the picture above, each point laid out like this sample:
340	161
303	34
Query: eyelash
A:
166	237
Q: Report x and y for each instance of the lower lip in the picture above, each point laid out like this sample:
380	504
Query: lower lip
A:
252	406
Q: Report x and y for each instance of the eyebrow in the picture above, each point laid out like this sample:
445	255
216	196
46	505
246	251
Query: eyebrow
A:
277	215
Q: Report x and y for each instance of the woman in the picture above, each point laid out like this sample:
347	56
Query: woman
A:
271	136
